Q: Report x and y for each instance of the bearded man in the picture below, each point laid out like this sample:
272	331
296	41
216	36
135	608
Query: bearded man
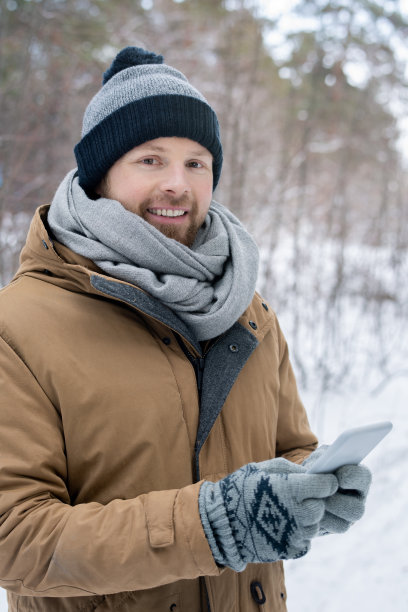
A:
153	443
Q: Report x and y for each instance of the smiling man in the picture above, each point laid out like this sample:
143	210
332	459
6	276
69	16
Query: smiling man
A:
154	448
168	182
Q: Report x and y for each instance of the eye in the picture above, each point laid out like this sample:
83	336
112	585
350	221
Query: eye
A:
149	161
195	164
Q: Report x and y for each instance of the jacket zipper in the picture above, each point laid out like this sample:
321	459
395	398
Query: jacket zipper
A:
196	362
199	371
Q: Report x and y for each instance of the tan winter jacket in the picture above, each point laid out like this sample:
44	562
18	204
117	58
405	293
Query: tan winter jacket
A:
110	416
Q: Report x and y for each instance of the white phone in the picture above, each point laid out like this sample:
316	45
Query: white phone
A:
351	447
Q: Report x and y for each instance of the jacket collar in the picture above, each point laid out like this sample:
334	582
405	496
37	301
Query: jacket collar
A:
145	303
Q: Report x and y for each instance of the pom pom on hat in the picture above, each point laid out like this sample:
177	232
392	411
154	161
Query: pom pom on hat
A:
131	56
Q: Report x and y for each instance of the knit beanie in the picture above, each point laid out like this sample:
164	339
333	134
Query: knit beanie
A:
141	99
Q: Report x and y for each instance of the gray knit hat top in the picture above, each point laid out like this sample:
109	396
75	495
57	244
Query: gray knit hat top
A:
142	99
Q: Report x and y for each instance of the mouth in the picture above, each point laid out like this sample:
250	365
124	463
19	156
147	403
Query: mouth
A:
167	212
167	215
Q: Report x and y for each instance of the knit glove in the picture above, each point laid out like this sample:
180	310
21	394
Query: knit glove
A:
263	512
347	505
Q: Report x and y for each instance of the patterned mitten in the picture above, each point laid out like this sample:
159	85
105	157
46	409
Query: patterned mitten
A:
347	505
263	512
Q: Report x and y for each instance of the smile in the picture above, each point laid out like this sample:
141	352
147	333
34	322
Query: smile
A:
166	212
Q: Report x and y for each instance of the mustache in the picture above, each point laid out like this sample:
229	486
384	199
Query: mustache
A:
184	200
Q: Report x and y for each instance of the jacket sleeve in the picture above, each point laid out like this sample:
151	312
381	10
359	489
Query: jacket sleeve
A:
295	440
51	548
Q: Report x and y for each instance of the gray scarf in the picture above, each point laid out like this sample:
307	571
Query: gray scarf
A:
208	286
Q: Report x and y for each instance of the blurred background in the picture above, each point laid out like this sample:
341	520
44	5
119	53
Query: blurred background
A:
312	100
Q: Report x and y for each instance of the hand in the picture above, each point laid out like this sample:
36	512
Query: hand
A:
347	505
264	512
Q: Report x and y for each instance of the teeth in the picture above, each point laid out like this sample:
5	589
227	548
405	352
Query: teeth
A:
167	212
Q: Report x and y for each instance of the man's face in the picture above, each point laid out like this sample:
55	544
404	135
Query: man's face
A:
166	181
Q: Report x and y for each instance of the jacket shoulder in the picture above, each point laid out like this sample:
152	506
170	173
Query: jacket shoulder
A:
260	319
10	297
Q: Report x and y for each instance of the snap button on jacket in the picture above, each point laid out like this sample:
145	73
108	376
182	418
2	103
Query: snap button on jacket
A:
105	441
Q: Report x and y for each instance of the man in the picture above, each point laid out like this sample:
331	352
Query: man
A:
152	438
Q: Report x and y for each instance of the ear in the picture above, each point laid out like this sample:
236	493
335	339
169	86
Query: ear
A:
101	188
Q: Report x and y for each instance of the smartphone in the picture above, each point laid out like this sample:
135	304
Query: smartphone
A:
351	447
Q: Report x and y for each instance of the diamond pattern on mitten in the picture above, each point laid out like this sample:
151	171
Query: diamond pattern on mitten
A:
271	519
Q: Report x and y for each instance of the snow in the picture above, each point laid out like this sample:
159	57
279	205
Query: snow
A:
343	309
365	569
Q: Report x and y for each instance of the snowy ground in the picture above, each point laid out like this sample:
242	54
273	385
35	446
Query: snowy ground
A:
366	569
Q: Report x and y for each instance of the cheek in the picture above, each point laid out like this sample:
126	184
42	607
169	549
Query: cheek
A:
208	203
128	192
205	196
122	181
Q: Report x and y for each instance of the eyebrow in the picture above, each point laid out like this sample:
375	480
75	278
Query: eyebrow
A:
202	151
193	152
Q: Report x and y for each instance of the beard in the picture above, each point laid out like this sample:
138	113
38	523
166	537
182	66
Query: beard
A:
186	233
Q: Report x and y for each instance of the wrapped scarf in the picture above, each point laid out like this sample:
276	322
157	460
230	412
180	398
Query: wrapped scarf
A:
208	285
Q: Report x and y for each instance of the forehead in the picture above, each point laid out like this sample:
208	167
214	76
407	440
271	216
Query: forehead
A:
172	144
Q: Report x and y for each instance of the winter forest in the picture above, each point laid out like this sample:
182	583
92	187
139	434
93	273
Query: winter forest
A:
312	99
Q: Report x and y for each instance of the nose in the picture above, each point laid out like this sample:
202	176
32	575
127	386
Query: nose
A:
175	181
